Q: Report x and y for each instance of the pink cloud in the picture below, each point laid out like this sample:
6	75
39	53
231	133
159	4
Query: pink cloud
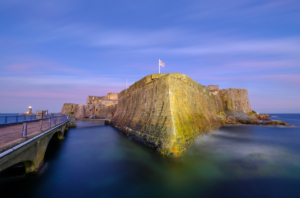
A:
20	67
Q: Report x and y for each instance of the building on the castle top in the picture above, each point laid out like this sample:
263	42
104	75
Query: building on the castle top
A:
95	105
114	96
94	99
214	89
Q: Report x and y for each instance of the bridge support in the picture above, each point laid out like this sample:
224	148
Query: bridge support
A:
31	152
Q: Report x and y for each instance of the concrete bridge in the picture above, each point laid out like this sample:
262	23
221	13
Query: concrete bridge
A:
30	150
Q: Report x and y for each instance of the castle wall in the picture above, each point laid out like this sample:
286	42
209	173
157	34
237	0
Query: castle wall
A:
235	100
166	111
107	111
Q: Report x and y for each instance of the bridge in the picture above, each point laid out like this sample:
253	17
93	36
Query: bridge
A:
26	142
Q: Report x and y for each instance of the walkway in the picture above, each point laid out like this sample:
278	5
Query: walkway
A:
11	135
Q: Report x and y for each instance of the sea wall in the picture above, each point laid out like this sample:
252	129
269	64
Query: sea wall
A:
166	111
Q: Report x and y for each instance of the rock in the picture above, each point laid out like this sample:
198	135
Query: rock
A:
253	117
270	123
262	117
72	123
231	119
238	115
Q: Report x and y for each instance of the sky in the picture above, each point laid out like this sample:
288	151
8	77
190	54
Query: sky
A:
61	51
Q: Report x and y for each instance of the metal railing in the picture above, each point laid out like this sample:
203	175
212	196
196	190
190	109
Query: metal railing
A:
23	118
55	120
98	117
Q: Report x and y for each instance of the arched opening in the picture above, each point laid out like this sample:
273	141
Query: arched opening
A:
66	131
19	169
53	147
13	171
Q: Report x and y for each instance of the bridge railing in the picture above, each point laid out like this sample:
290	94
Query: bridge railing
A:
98	117
23	118
44	124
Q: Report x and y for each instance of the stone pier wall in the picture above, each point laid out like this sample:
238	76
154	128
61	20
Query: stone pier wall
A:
166	111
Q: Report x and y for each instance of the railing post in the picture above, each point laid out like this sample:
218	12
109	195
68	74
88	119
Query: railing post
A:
24	130
5	120
49	122
41	125
54	121
17	118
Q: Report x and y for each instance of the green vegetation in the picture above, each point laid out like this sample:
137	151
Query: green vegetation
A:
135	84
71	111
252	112
221	112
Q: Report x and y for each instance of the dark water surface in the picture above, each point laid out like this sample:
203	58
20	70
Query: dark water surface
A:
95	160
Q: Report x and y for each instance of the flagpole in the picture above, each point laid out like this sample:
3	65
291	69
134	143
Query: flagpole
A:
158	66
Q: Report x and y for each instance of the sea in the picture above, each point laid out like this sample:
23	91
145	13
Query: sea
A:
94	160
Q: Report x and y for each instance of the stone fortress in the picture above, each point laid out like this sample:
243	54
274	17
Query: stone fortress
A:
104	106
167	111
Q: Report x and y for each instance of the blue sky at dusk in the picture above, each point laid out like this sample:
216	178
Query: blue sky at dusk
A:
58	51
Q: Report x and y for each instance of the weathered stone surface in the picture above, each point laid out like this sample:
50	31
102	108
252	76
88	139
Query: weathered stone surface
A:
166	111
262	117
238	115
268	123
230	119
72	123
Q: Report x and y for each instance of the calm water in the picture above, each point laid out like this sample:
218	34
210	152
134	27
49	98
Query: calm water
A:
97	161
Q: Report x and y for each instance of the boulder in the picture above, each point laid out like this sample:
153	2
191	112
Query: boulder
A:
262	117
72	123
231	119
238	115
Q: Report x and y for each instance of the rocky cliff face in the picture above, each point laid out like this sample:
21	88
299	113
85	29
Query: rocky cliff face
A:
166	111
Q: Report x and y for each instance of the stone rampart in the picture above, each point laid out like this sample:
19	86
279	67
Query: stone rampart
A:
166	111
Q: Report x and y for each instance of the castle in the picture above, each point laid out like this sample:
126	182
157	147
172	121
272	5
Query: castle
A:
166	111
104	106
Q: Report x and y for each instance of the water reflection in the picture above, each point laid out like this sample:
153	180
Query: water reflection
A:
94	160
